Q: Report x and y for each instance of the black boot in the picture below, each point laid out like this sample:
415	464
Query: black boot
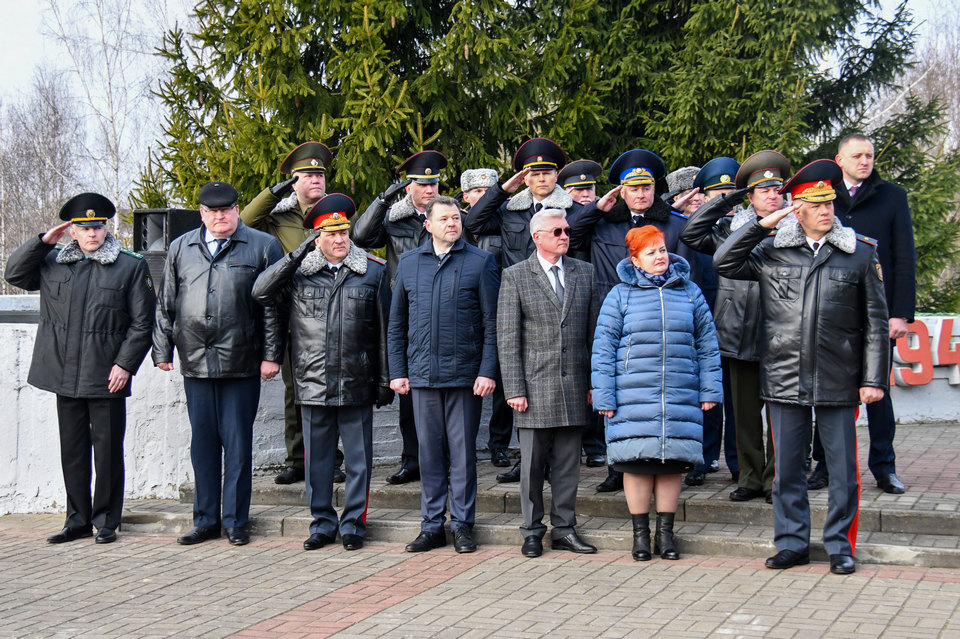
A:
663	541
641	537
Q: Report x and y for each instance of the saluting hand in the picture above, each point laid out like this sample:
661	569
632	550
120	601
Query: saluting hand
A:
514	183
118	379
609	199
771	221
53	235
678	204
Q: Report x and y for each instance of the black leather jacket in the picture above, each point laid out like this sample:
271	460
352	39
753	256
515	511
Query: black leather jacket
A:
824	316
93	314
399	228
206	310
338	324
736	311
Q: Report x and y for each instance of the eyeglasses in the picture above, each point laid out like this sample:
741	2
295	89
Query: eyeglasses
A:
558	231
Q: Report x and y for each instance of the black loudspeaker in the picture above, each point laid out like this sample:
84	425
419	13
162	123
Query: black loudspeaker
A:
154	229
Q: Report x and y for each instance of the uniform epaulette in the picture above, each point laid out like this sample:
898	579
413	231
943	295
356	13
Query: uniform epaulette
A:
866	240
131	253
59	247
376	259
680	215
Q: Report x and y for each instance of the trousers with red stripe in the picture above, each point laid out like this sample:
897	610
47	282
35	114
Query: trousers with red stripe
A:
791	507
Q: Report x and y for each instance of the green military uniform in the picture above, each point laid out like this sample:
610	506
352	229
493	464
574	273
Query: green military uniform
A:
282	217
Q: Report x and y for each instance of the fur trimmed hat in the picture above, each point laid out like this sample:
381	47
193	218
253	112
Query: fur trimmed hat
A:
682	179
478	178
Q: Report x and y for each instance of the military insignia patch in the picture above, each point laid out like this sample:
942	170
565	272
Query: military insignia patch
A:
428	171
724	178
879	272
149	283
91	213
314	162
768	174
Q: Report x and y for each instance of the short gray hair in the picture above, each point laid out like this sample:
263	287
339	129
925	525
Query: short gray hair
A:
538	219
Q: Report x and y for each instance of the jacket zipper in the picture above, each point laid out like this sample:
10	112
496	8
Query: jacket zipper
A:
663	374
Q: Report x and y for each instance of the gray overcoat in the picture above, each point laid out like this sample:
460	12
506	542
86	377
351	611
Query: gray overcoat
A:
544	347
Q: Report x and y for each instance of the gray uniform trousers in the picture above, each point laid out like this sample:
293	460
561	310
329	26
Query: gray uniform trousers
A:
447	423
561	448
791	507
321	426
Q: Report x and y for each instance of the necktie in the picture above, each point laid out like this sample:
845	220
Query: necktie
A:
557	286
853	190
537	207
816	247
220	244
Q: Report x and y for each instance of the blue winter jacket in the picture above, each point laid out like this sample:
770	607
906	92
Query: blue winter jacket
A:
443	317
655	359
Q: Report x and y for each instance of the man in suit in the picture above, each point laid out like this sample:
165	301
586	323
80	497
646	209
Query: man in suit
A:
547	312
96	314
442	350
878	209
227	343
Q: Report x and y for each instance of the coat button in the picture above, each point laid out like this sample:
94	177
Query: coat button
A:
563	350
563	373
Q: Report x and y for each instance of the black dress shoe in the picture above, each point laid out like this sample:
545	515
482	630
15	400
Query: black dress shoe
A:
532	546
106	536
612	483
352	542
891	484
573	543
427	541
198	535
499	458
788	559
820	478
238	536
463	541
694	478
289	475
768	496
338	475
317	541
745	494
69	534
404	476
596	461
842	564
512	476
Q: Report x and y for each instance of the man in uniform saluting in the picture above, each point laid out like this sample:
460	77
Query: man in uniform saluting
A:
96	315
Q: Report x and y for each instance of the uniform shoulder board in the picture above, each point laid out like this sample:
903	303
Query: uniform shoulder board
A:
680	215
374	258
59	247
867	240
131	253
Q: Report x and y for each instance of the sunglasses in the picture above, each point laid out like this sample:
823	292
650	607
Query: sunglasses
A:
558	231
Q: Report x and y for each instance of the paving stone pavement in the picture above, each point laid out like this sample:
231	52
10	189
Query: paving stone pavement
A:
145	585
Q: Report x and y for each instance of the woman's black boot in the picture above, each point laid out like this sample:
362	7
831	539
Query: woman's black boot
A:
663	540
641	537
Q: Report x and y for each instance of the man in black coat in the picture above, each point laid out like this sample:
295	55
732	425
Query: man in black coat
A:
227	343
877	209
400	228
96	314
339	301
824	348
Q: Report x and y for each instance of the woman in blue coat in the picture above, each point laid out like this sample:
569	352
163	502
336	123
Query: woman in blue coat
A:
656	368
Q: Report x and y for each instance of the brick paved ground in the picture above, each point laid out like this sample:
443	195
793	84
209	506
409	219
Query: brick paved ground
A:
148	586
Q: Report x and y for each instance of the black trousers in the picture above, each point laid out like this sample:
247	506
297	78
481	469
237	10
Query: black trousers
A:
100	424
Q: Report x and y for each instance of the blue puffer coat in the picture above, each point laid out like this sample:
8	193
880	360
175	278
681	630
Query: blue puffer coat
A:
655	359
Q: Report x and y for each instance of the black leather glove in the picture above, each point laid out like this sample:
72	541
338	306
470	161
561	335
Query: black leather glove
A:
281	189
308	245
384	396
735	197
391	191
